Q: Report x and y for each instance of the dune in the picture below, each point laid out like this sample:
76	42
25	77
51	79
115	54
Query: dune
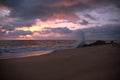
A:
99	62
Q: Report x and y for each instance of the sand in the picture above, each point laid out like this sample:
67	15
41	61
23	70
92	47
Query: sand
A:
87	63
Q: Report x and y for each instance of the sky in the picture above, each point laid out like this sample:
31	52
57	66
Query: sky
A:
59	19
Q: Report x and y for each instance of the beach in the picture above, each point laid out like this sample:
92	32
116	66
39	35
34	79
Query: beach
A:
99	62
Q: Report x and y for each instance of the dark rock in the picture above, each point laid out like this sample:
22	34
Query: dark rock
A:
98	42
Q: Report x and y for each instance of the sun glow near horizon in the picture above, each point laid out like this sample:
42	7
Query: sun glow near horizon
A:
32	28
39	25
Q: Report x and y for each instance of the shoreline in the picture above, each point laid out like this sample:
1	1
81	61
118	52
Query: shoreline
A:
26	54
31	52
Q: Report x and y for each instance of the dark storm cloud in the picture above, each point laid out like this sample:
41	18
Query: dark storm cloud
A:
45	9
2	33
14	34
2	2
64	30
116	2
90	17
105	29
84	22
106	2
115	20
18	33
18	23
103	32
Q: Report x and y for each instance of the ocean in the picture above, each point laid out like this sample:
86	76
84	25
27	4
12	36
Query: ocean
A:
29	47
24	48
10	44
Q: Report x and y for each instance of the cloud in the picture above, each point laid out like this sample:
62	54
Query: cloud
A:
115	20
18	33
18	23
107	32
90	17
63	30
55	9
26	12
84	22
14	34
44	9
2	33
53	33
116	2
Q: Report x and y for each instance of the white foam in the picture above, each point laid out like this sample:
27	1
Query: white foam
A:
26	54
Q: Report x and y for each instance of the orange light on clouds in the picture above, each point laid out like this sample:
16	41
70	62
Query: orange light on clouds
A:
32	28
25	37
64	16
65	3
40	26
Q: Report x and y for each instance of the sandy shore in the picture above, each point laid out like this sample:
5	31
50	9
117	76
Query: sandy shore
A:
88	63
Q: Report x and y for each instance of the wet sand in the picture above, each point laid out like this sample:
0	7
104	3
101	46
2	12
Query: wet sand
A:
87	63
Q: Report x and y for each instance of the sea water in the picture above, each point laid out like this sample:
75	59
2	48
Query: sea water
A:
22	48
25	48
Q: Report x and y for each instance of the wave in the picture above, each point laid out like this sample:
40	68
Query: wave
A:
26	52
12	52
